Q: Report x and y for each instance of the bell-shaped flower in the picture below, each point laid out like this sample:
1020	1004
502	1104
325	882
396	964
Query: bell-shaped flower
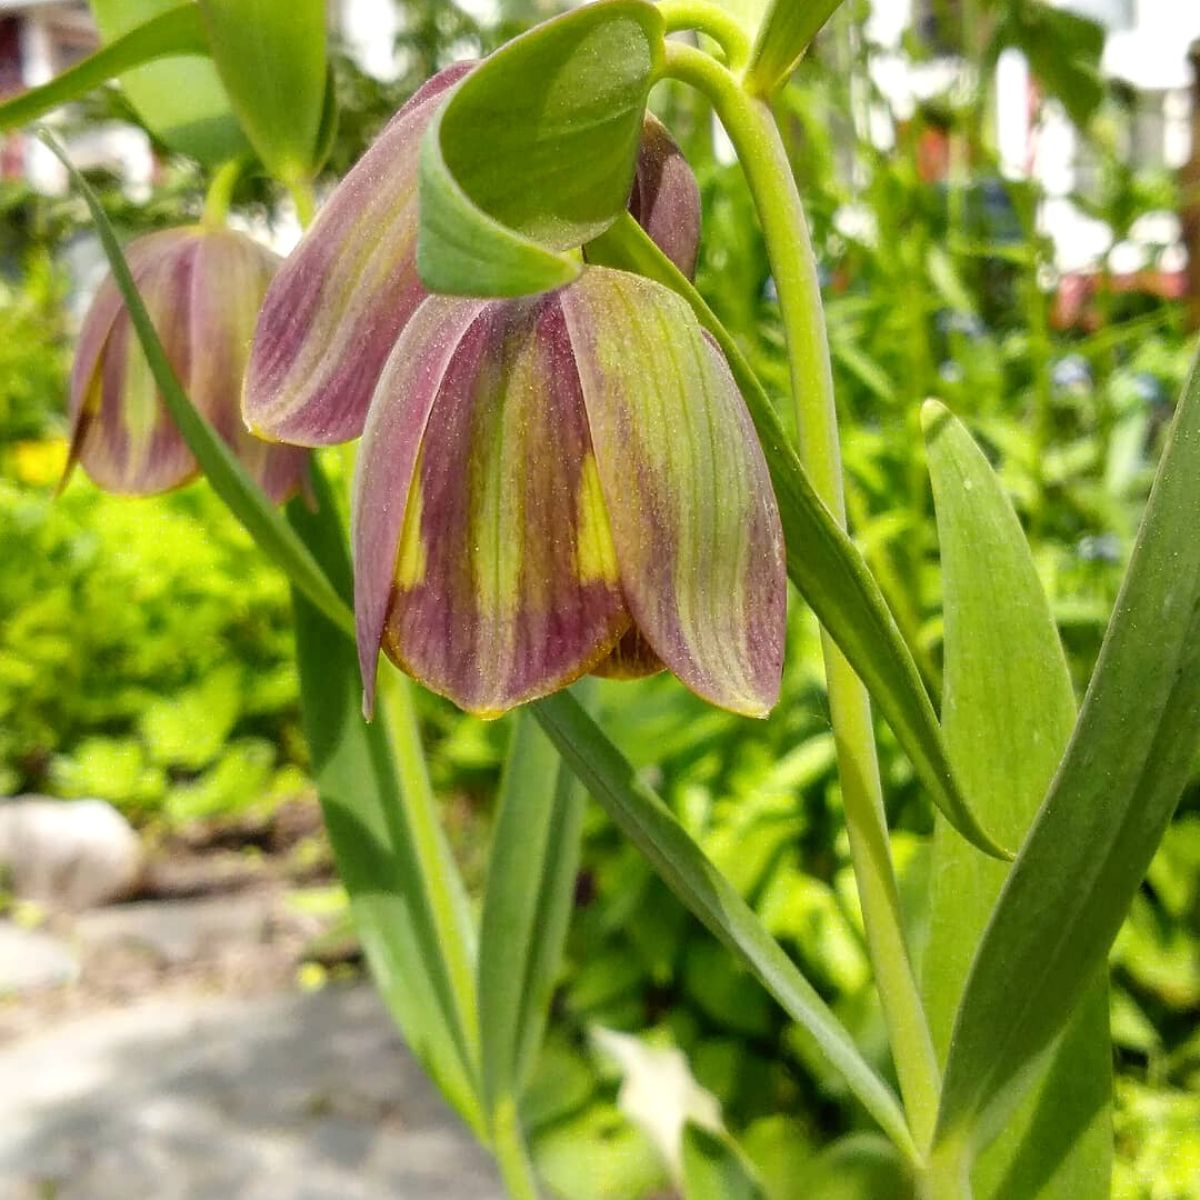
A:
344	295
202	288
549	486
564	484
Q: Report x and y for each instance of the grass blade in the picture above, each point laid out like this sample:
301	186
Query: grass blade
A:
1093	838
648	823
229	479
1007	712
822	561
178	31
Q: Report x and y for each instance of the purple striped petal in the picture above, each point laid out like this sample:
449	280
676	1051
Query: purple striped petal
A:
693	516
665	200
202	289
631	658
483	558
336	308
120	432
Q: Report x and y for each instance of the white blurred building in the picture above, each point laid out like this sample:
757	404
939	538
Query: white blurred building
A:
1147	48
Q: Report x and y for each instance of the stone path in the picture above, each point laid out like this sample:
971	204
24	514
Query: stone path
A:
287	1097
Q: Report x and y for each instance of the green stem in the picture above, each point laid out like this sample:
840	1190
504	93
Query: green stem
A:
752	129
448	905
220	192
947	1176
306	205
511	1152
708	18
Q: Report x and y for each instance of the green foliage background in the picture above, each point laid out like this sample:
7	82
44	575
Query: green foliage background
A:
145	648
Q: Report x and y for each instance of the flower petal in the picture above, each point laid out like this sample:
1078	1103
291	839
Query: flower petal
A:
342	297
230	277
121	432
694	520
665	200
631	658
483	559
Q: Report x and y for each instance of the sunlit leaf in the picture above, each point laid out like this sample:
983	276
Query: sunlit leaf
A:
1008	711
174	32
1130	755
784	35
270	55
181	100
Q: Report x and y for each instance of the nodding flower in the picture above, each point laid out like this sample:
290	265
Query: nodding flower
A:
547	486
202	287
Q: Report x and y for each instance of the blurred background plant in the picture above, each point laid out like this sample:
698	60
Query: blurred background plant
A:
145	647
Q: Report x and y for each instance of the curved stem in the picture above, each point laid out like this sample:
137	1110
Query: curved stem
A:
712	20
511	1153
220	192
752	129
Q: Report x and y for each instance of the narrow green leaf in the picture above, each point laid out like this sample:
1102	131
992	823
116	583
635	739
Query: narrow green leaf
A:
526	907
180	99
648	823
823	562
177	31
1092	841
271	57
1064	51
534	152
1008	711
228	477
785	33
369	814
714	1169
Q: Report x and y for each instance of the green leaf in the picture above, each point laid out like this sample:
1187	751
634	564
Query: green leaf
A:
785	33
177	31
860	1166
1064	51
1007	711
714	1168
534	152
228	477
181	100
378	820
649	824
270	55
1130	755
822	561
526	907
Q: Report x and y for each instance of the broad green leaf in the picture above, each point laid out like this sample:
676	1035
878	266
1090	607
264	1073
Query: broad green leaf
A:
823	562
649	824
534	152
177	31
526	907
228	477
374	813
714	1168
181	100
270	55
785	33
1008	710
1133	748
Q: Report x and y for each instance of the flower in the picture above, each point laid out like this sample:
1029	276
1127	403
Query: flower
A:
547	486
202	288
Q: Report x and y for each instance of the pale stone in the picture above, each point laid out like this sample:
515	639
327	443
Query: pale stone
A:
68	854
